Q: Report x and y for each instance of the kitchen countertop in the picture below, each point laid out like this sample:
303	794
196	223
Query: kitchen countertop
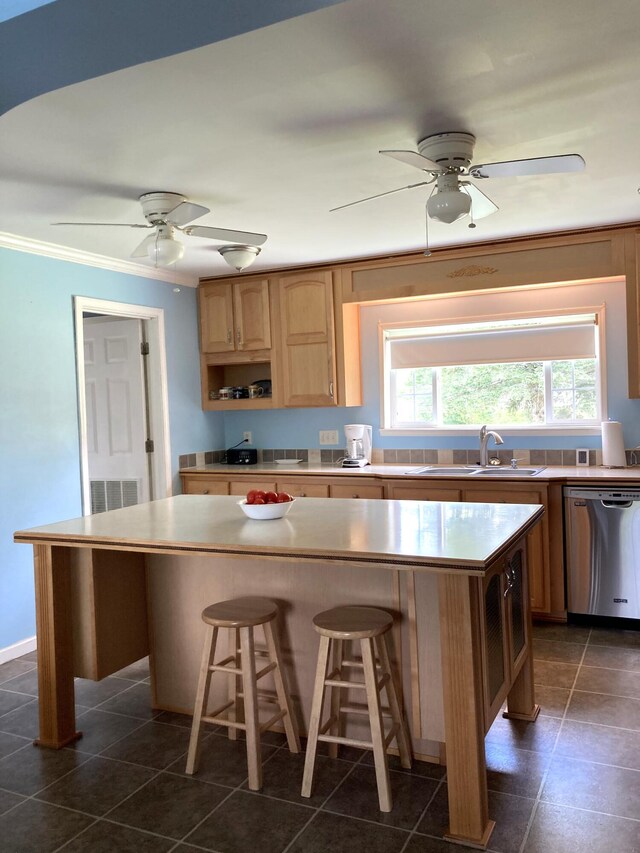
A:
422	535
566	474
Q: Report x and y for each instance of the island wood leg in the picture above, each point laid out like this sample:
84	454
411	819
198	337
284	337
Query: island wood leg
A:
463	711
55	647
521	703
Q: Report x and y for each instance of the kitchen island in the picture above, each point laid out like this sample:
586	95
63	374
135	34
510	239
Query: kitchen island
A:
114	586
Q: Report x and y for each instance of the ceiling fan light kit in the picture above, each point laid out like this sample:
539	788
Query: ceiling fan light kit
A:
163	249
167	212
447	159
448	203
239	257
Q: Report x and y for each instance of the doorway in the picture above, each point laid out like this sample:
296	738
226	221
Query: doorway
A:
123	408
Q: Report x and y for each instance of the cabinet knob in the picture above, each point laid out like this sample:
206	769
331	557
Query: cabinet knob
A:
229	336
331	389
238	336
205	491
303	494
355	496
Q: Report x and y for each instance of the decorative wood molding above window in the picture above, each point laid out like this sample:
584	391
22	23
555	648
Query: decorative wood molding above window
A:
472	270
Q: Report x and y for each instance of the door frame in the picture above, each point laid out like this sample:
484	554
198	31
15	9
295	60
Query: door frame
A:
158	389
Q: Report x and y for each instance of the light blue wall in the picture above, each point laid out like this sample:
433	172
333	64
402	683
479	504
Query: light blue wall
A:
39	470
298	428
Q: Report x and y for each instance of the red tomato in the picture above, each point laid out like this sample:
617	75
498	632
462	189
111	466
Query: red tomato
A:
259	501
252	495
271	498
284	497
261	494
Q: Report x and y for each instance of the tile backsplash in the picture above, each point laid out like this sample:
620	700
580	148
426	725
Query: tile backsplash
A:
419	456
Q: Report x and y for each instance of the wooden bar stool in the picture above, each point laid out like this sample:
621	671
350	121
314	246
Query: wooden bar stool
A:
370	626
241	616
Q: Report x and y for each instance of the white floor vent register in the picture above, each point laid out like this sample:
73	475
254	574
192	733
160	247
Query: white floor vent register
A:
113	494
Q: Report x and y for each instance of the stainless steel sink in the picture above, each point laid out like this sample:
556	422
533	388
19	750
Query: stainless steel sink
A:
458	470
472	470
509	472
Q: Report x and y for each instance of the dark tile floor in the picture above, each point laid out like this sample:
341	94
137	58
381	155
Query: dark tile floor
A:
570	782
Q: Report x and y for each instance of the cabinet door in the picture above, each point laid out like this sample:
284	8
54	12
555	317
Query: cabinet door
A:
308	339
304	490
356	490
495	642
537	559
251	310
241	487
216	318
203	486
423	493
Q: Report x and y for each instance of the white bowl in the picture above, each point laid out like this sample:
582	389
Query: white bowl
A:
265	511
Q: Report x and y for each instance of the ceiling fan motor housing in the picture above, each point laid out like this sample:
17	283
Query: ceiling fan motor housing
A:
156	206
451	151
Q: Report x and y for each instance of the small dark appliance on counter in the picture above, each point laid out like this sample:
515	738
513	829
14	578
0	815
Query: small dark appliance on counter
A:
241	456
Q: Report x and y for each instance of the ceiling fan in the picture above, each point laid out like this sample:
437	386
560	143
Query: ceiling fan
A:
447	157
167	213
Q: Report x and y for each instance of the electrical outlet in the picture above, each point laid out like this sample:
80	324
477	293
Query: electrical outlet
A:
328	436
248	437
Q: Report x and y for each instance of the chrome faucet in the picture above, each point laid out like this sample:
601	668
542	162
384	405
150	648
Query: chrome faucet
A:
485	435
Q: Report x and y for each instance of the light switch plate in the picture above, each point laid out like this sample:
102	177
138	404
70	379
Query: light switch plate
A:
328	436
582	456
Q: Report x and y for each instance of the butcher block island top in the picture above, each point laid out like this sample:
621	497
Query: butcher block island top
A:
423	535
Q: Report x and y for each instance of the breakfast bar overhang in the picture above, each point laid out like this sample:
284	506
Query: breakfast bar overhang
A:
111	588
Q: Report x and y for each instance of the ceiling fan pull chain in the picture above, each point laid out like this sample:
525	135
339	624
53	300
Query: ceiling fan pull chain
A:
427	251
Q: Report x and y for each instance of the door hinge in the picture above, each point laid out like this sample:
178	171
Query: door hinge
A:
144	348
148	446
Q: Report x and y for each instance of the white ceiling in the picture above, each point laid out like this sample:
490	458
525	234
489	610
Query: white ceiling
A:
272	128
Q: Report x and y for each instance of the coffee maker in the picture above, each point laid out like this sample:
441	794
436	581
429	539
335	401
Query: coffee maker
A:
358	445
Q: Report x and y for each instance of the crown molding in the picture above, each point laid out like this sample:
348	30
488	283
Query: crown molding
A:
89	259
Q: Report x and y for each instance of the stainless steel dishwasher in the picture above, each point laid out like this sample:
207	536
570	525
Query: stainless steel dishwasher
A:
603	551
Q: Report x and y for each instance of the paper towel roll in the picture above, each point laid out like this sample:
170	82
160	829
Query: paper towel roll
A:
613	455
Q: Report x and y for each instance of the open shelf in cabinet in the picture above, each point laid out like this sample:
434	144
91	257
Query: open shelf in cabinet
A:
232	370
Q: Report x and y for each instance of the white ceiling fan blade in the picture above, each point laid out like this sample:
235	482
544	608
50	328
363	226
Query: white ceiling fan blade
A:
481	204
412	158
141	251
109	224
534	166
185	212
379	195
224	234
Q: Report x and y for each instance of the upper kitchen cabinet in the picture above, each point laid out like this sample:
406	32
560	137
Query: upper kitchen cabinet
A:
319	354
234	316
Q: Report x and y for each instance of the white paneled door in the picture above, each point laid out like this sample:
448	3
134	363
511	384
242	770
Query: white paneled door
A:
115	411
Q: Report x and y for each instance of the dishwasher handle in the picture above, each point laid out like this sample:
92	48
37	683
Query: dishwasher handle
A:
616	504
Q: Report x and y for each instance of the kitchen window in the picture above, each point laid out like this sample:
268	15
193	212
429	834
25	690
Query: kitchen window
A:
523	372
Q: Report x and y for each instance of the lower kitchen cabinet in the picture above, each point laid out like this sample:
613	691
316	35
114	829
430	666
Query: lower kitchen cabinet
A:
544	542
356	490
506	634
538	557
422	493
203	486
304	490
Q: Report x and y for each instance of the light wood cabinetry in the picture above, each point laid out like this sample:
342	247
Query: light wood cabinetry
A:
234	316
538	557
235	341
422	493
307	339
506	634
544	550
204	486
304	489
544	544
356	490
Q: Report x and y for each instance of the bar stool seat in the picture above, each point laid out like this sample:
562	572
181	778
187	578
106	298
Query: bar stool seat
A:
371	627
240	616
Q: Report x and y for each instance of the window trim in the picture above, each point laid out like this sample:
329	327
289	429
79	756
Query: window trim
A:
550	429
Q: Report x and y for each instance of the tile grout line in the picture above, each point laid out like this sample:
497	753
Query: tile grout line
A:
422	814
545	774
322	804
